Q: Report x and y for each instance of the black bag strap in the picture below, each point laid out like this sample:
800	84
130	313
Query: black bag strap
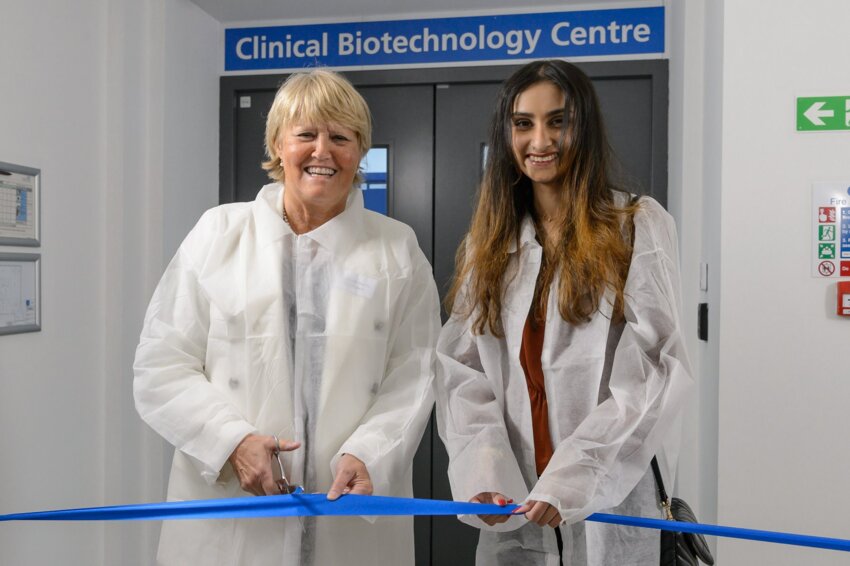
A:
662	493
656	471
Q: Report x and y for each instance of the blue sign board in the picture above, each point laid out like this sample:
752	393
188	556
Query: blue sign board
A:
845	231
586	33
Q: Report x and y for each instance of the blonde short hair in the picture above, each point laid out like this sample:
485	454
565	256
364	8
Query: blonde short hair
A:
316	96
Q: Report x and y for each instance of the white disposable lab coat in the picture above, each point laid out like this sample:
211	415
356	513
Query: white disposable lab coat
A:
326	338
613	391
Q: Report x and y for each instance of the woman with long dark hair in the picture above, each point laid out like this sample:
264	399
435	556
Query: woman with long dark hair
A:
562	367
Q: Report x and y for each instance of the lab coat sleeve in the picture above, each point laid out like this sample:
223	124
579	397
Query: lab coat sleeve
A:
172	393
609	452
471	423
390	431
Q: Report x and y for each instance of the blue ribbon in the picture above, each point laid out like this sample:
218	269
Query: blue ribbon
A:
295	505
301	504
721	531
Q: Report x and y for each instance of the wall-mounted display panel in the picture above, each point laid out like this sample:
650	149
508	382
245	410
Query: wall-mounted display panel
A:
20	293
20	189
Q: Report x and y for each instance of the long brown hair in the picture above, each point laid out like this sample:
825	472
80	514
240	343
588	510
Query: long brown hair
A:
593	249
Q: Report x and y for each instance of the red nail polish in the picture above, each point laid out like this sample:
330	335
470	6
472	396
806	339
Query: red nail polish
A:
500	501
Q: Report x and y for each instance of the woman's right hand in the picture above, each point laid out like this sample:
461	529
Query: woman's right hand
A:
492	497
252	463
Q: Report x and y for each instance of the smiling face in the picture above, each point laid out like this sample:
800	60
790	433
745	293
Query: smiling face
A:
319	164
536	129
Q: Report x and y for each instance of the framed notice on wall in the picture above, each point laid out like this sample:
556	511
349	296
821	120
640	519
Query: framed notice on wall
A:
20	293
831	230
20	189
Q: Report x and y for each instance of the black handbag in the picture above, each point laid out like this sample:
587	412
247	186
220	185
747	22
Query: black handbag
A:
679	549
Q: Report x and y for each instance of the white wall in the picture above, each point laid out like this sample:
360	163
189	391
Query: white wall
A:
51	382
708	85
116	101
194	48
162	155
696	479
696	39
784	360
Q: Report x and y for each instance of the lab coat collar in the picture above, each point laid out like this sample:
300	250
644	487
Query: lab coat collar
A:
527	235
344	230
270	224
337	235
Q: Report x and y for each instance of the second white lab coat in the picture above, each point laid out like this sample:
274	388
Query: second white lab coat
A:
613	392
326	338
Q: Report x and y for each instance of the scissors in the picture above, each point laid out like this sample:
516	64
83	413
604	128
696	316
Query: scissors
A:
282	483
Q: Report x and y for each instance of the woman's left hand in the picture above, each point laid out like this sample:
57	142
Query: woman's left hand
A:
351	477
539	512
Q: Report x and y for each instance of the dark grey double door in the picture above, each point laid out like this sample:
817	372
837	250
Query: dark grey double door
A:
434	123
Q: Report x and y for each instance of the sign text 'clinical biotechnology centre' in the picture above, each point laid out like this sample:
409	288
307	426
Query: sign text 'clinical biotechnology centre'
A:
630	31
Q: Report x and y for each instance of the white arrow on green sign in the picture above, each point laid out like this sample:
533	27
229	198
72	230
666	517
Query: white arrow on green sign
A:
817	113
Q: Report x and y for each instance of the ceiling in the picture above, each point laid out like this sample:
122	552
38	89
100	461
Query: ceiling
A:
238	11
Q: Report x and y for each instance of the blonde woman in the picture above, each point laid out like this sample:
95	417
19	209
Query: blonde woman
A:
299	326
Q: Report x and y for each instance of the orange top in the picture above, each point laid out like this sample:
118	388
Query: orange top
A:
530	353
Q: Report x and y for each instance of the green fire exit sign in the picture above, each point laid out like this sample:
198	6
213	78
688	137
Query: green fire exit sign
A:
816	113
